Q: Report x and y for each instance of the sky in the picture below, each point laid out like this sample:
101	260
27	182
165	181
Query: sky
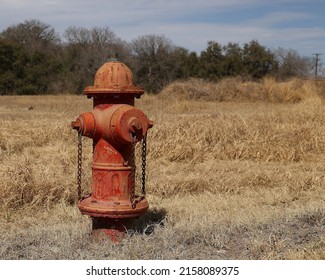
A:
290	24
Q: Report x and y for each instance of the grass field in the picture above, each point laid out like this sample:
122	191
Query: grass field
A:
235	171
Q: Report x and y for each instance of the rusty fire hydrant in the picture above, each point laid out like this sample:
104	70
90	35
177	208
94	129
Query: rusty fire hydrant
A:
115	126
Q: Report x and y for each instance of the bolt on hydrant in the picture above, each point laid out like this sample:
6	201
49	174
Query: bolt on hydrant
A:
115	126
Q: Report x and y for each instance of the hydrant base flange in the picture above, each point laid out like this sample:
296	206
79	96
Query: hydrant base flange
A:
118	209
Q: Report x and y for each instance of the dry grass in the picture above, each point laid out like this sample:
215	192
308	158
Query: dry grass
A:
242	179
235	89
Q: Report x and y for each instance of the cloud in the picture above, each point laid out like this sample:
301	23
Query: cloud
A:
279	17
190	23
195	36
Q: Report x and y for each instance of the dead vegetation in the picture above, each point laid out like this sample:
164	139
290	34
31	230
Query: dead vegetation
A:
235	171
236	89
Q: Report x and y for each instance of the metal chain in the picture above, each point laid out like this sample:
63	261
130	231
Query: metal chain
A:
143	166
132	163
79	172
144	163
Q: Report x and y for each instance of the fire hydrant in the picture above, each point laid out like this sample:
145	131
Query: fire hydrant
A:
115	126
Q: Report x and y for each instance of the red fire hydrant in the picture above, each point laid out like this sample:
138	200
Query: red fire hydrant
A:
115	126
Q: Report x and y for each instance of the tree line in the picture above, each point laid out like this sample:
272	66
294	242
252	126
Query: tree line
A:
35	59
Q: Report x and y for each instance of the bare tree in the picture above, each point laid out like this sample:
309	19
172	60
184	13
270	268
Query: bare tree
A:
153	61
87	50
291	64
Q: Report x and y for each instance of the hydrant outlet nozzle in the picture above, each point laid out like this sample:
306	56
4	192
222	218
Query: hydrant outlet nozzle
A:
77	125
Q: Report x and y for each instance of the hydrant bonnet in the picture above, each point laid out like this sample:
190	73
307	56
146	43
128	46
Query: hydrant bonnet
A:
114	78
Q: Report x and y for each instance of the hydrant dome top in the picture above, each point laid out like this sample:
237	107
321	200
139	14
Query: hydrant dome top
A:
111	78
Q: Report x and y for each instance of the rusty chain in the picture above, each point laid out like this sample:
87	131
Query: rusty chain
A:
79	171
143	166
144	163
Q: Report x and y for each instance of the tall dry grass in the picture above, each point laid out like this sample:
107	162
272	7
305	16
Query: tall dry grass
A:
236	89
235	170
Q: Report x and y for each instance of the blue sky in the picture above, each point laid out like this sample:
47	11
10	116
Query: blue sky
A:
295	24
